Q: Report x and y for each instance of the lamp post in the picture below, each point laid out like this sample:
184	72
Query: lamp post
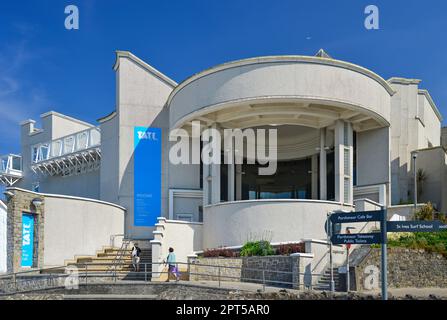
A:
415	195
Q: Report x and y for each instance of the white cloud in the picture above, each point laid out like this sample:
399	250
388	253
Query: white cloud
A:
19	99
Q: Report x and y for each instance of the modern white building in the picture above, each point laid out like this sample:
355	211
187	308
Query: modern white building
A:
344	133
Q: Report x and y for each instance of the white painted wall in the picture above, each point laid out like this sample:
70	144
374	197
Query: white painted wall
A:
183	237
75	226
233	223
414	123
305	78
141	96
3	237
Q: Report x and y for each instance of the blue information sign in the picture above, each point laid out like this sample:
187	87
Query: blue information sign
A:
415	226
147	176
359	216
357	238
27	240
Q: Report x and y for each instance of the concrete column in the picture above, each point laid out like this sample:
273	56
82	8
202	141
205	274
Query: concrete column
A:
215	178
157	267
231	179
339	163
323	171
343	152
238	181
350	174
314	177
229	161
206	184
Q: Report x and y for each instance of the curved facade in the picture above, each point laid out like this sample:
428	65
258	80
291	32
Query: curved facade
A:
293	79
343	134
234	223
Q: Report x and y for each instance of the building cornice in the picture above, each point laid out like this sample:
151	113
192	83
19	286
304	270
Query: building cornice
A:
144	65
282	59
397	80
432	103
60	115
108	117
24	122
60	196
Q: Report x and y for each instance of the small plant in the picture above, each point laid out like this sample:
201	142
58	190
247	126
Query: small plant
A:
427	212
220	252
287	249
257	248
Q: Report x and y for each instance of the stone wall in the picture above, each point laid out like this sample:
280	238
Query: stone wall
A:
19	204
279	269
406	268
286	271
230	269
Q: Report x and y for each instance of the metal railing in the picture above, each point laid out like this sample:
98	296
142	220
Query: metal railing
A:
79	141
11	164
90	273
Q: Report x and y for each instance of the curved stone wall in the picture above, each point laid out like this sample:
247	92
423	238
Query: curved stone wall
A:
234	223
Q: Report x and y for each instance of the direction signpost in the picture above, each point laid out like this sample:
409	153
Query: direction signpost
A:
348	239
362	238
416	226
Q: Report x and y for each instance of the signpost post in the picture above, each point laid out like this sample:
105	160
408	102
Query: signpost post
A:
383	269
362	238
331	266
377	237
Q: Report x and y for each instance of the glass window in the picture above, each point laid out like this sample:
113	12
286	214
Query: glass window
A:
184	217
56	148
68	144
82	140
292	180
95	137
44	151
34	154
17	163
3	163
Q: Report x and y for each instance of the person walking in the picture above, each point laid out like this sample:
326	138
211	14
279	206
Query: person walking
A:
172	268
136	251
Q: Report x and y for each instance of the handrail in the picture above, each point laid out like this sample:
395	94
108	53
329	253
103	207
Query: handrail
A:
18	280
7	165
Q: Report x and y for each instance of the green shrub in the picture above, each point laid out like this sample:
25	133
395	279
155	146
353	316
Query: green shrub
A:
429	241
257	248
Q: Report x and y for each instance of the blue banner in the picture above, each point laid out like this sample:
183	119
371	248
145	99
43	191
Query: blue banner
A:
147	176
27	240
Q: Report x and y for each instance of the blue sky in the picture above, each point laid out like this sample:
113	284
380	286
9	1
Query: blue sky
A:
45	67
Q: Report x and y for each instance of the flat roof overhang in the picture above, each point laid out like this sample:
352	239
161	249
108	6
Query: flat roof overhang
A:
296	90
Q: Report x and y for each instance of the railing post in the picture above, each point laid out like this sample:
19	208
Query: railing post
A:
14	276
218	274
86	281
145	272
263	280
